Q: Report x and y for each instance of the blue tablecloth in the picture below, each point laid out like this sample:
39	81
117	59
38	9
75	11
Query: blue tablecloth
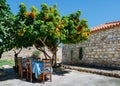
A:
37	68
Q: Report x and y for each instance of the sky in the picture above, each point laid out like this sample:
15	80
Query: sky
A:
95	11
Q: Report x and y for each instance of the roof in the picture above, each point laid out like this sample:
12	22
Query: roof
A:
105	26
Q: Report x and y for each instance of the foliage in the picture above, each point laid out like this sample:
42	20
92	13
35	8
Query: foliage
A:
23	27
36	53
74	29
44	28
54	29
49	29
20	28
6	31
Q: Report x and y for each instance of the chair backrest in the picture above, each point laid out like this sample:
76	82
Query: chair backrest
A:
47	68
47	64
29	69
28	65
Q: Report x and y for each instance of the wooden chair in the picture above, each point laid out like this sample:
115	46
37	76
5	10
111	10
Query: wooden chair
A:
21	70
29	69
47	69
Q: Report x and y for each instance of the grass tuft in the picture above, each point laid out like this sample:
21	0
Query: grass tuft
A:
7	62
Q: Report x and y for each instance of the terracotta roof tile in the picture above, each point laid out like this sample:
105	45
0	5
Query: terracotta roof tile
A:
105	26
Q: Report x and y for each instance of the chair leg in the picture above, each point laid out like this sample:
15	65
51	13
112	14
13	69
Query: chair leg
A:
31	76
43	78
27	76
50	78
21	74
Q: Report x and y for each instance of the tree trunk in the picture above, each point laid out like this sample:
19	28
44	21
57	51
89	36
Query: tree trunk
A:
55	59
1	54
16	59
16	62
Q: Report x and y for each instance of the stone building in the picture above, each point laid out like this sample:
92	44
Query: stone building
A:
102	49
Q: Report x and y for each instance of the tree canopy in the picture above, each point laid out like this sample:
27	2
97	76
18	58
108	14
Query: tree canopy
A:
46	28
6	23
43	28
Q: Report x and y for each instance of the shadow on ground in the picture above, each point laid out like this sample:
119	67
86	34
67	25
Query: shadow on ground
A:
60	71
9	74
95	66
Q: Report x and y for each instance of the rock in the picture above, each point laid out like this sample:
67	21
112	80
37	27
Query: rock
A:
6	66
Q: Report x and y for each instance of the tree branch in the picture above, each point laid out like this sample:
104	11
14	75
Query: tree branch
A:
16	53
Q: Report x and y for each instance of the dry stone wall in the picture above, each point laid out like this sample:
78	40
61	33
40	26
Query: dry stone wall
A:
27	52
101	49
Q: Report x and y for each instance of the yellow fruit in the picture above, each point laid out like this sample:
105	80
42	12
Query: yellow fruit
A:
58	26
57	29
85	35
21	33
79	32
88	33
83	28
47	17
27	13
58	34
24	30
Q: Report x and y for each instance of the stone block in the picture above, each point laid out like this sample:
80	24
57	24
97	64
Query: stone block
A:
114	59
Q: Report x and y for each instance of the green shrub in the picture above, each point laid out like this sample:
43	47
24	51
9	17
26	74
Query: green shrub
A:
36	53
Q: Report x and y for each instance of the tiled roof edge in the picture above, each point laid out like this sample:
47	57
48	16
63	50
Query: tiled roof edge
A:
105	26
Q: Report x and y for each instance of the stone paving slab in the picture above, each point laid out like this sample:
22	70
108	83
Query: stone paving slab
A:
112	73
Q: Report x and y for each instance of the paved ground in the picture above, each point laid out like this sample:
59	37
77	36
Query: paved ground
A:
100	71
64	77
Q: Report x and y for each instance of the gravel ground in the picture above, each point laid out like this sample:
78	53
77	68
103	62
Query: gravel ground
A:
61	77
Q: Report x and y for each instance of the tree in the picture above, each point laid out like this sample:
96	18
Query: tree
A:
47	29
74	30
50	29
6	22
23	29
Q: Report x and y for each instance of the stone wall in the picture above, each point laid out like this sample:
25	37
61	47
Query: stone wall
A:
101	49
27	52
